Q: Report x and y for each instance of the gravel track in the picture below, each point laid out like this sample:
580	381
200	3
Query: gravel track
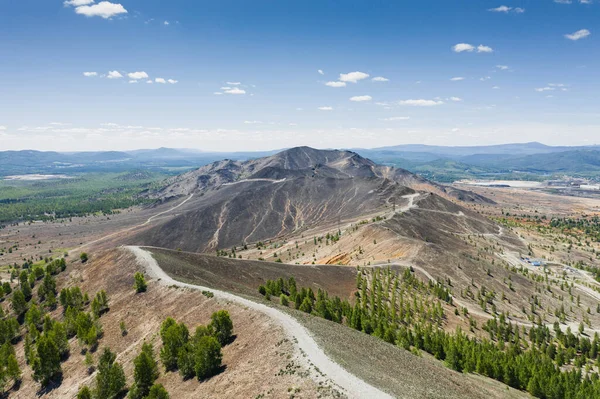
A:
353	386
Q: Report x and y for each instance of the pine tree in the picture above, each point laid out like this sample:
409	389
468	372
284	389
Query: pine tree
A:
222	326
207	357
19	303
110	380
145	372
140	282
46	364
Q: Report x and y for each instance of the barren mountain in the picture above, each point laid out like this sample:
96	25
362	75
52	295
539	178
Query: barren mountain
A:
234	203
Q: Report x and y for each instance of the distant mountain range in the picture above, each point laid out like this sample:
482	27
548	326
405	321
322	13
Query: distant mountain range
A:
434	162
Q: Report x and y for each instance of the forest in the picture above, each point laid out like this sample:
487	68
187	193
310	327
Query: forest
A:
402	310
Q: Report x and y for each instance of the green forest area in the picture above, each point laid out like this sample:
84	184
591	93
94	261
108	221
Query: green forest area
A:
76	196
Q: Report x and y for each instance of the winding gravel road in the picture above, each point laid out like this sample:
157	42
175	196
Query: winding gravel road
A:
353	386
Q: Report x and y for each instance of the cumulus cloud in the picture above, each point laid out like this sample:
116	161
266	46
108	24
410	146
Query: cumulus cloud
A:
137	75
336	84
235	90
2	127
133	81
361	98
160	80
90	74
460	47
396	118
456	99
321	72
502	67
234	83
563	1
353	76
172	81
77	3
457	78
114	75
547	88
580	34
253	122
506	9
325	108
166	23
380	79
421	103
104	9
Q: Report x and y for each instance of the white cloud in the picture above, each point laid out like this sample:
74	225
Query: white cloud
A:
456	99
496	87
2	127
160	80
104	9
217	93
172	81
166	23
253	122
353	76
149	82
133	81
361	98
502	67
137	75
506	9
90	74
457	78
585	1
542	89
321	72
563	1
500	9
114	75
77	3
336	84
421	103
580	34
484	49
460	47
380	79
483	79
396	118
235	90
326	108
454	130
234	83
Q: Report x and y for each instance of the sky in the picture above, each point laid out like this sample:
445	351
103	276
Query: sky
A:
239	75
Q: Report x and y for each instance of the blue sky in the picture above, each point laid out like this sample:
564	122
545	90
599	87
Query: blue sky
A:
249	75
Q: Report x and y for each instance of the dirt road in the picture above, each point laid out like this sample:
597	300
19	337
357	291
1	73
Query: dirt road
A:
353	386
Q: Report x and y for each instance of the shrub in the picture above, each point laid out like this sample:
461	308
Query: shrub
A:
84	393
84	257
158	392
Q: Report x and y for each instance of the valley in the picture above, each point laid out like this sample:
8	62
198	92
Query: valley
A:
344	226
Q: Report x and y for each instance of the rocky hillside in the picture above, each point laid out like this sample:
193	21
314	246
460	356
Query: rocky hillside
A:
234	203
